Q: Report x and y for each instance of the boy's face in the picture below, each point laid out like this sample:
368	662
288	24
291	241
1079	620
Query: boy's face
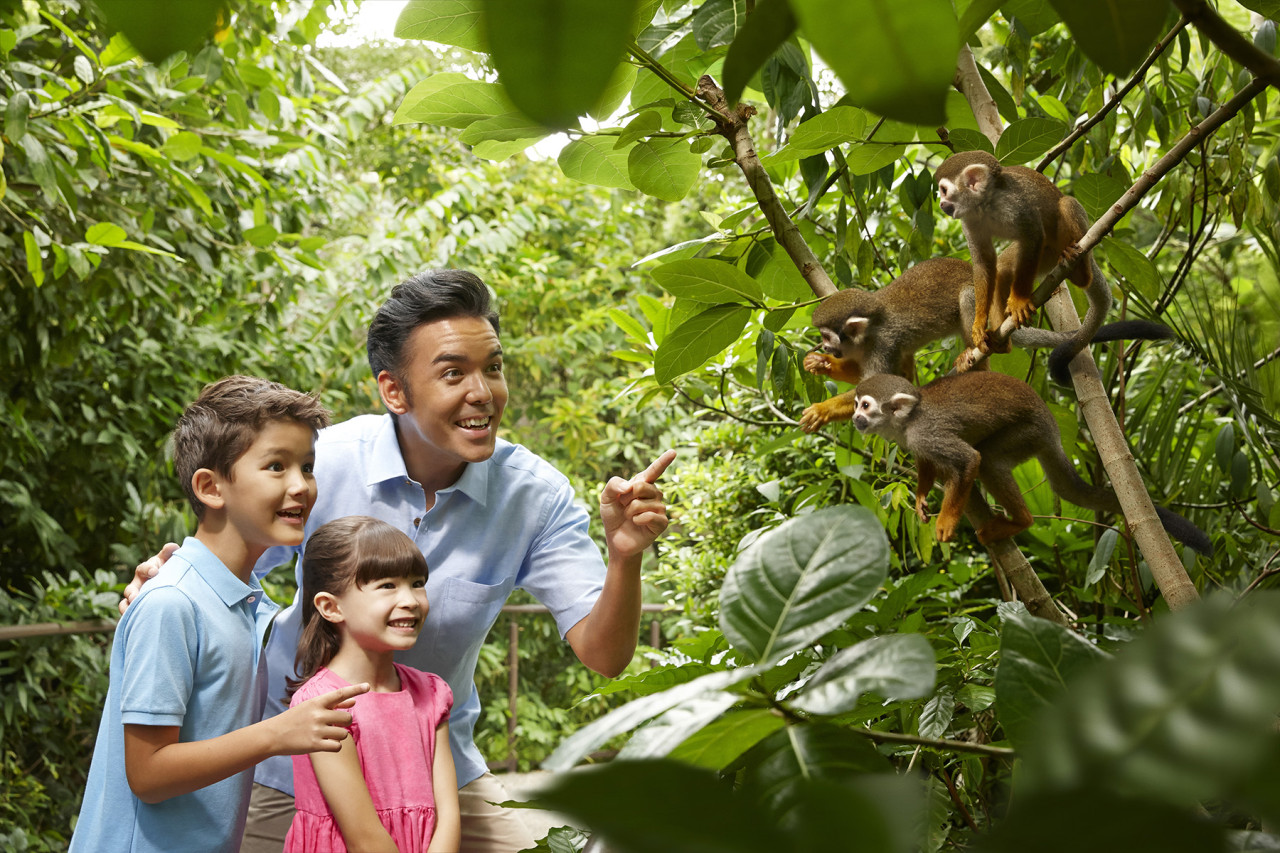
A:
272	488
453	395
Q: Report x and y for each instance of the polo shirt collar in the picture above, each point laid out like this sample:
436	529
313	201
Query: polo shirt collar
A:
215	573
387	463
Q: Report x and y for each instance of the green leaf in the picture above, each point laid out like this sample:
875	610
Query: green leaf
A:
898	666
1241	475
145	249
504	128
1025	140
261	235
707	280
153	27
182	146
975	15
1134	267
117	51
1224	446
615	92
870	157
697	339
663	168
592	736
1116	34
801	580
661	736
1101	559
452	100
937	714
716	745
1097	192
1037	657
619	801
823	132
772	267
896	59
41	167
965	139
1184	713
764	31
15	116
556	57
105	234
1266	8
628	324
594	160
452	22
647	123
35	264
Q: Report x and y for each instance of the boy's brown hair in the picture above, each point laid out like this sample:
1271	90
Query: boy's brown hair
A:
227	417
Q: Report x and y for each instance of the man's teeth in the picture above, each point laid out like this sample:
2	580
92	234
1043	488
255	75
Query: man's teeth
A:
474	423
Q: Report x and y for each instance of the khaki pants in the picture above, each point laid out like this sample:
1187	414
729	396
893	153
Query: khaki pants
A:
485	828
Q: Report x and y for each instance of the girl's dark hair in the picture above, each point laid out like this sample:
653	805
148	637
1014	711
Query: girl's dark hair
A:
343	553
424	298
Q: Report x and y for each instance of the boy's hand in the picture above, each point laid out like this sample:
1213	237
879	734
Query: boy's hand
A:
318	724
144	572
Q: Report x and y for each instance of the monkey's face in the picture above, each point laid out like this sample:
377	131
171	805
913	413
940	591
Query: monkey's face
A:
831	342
868	416
960	195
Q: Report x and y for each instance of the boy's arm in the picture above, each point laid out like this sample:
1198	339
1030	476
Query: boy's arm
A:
444	785
160	766
342	783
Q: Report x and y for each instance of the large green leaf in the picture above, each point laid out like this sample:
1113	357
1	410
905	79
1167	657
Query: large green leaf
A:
453	22
663	168
898	666
659	737
823	132
1184	713
714	746
1136	268
698	339
766	28
592	736
594	160
1024	140
801	580
707	280
452	100
557	57
622	802
1037	657
897	59
1116	34
156	28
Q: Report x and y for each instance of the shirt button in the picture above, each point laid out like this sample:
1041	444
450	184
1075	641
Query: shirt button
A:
417	521
251	599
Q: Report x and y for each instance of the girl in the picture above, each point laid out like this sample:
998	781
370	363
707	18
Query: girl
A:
392	785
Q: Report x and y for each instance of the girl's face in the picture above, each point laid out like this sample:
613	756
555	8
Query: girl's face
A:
385	614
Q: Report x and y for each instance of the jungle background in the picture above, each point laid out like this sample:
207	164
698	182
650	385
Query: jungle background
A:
213	190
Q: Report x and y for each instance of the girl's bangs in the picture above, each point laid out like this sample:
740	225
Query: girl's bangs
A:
382	556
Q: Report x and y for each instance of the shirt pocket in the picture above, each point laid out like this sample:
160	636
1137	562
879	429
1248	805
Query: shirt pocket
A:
461	614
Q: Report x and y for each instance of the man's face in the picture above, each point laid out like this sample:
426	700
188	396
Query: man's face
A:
451	398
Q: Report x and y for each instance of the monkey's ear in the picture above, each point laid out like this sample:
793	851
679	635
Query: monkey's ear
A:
902	404
854	327
975	176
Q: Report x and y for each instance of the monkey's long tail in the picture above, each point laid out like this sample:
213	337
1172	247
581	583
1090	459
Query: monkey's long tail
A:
1122	330
1070	486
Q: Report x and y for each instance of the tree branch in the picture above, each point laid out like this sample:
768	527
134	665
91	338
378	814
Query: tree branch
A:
1230	42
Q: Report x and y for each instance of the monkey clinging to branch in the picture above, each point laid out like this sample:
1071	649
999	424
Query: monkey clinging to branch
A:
1019	204
979	426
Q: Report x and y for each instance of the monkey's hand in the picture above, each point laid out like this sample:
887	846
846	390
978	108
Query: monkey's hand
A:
991	343
964	361
838	408
1021	309
1071	254
922	508
820	363
946	529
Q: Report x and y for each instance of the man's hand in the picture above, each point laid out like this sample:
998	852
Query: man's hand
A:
144	572
633	511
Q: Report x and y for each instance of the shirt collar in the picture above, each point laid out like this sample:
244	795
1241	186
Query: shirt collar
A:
215	573
387	463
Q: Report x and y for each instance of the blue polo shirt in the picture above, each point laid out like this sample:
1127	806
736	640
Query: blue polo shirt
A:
510	521
185	654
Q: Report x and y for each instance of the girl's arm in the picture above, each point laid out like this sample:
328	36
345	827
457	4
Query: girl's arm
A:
444	785
159	766
347	794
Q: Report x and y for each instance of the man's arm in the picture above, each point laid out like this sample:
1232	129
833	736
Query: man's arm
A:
160	766
634	515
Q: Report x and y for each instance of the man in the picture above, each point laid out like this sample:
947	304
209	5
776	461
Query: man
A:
488	515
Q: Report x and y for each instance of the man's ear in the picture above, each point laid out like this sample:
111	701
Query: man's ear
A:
393	393
208	488
328	607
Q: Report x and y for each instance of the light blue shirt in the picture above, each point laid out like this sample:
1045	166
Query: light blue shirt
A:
510	521
185	654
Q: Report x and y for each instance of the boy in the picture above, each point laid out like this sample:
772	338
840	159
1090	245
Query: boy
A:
172	766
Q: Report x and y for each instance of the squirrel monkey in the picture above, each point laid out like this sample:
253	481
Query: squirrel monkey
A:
978	426
869	332
1019	204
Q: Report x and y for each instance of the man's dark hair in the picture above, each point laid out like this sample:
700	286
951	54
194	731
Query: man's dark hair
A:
227	417
424	298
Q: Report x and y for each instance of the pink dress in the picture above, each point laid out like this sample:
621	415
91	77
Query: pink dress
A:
395	738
